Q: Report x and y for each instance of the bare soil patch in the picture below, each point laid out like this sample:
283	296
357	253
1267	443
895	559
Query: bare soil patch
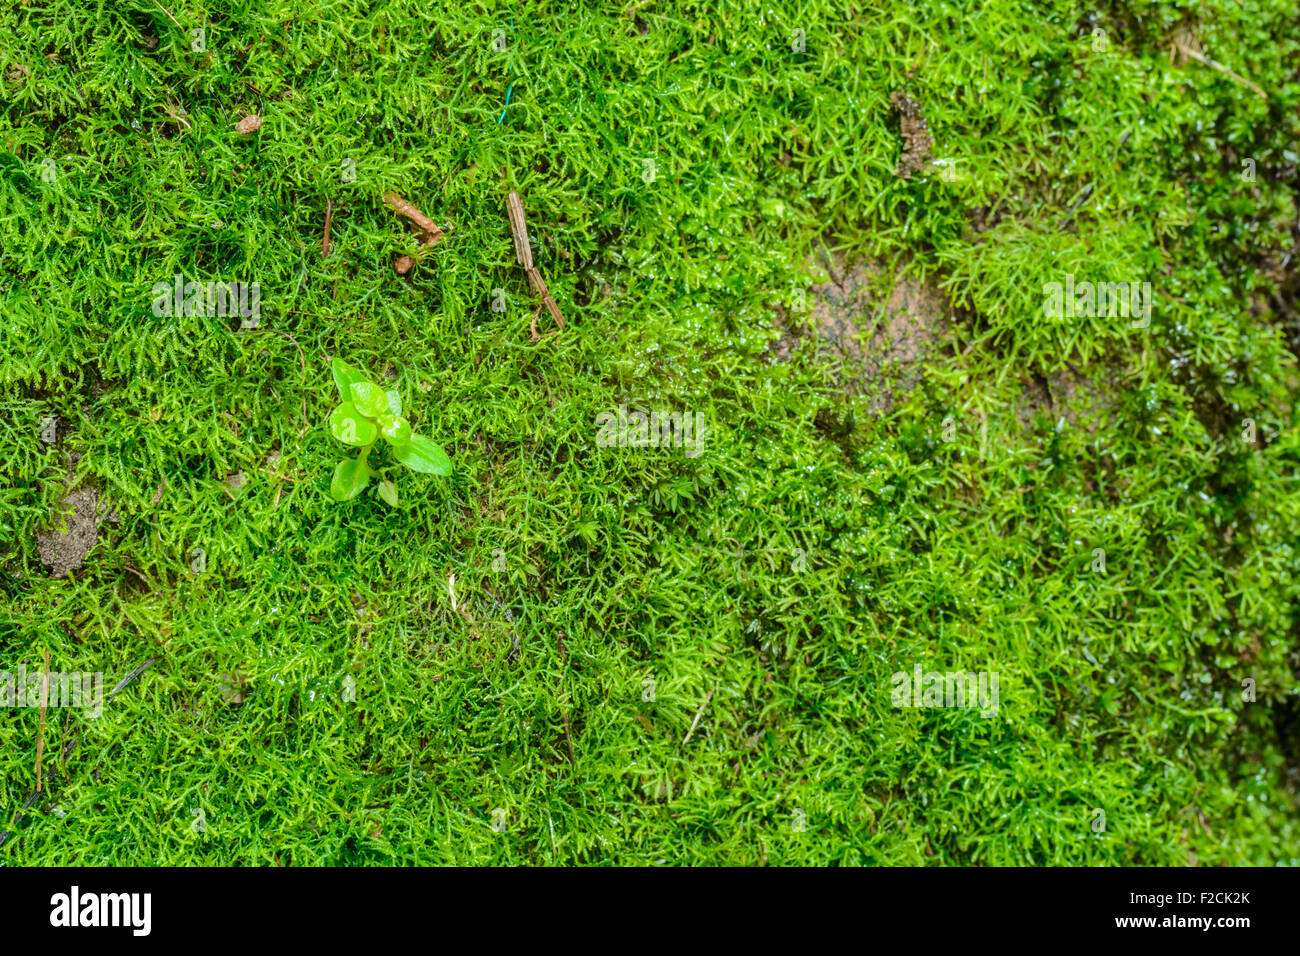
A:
64	546
872	329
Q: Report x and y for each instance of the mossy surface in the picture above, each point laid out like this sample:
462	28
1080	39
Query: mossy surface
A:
504	668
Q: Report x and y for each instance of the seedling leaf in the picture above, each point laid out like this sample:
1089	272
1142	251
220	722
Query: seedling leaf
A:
396	430
351	475
369	399
351	427
344	376
422	455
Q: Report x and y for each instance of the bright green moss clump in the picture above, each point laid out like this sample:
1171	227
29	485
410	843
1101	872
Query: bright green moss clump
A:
504	669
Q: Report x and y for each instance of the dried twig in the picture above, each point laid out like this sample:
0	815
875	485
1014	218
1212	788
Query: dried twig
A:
524	256
404	208
698	714
539	286
127	680
425	228
169	15
568	737
40	733
72	744
325	243
519	230
457	609
1185	50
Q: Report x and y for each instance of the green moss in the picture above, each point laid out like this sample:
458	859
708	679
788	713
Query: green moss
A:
680	168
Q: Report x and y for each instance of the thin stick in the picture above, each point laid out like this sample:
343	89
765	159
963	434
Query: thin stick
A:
456	609
524	256
325	243
63	742
568	739
539	286
168	12
404	208
519	229
698	714
72	744
40	733
126	681
1196	55
143	580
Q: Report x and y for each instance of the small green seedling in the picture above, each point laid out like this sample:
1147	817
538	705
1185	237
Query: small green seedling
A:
367	411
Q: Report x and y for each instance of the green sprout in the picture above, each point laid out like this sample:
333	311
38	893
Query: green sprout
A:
366	412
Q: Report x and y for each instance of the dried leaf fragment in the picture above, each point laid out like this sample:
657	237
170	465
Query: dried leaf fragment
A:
404	208
233	687
917	141
524	256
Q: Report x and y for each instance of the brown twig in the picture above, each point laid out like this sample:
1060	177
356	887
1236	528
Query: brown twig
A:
168	12
568	737
524	256
72	744
425	228
63	743
519	230
1197	55
40	733
404	208
539	286
698	714
325	243
143	580
457	609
